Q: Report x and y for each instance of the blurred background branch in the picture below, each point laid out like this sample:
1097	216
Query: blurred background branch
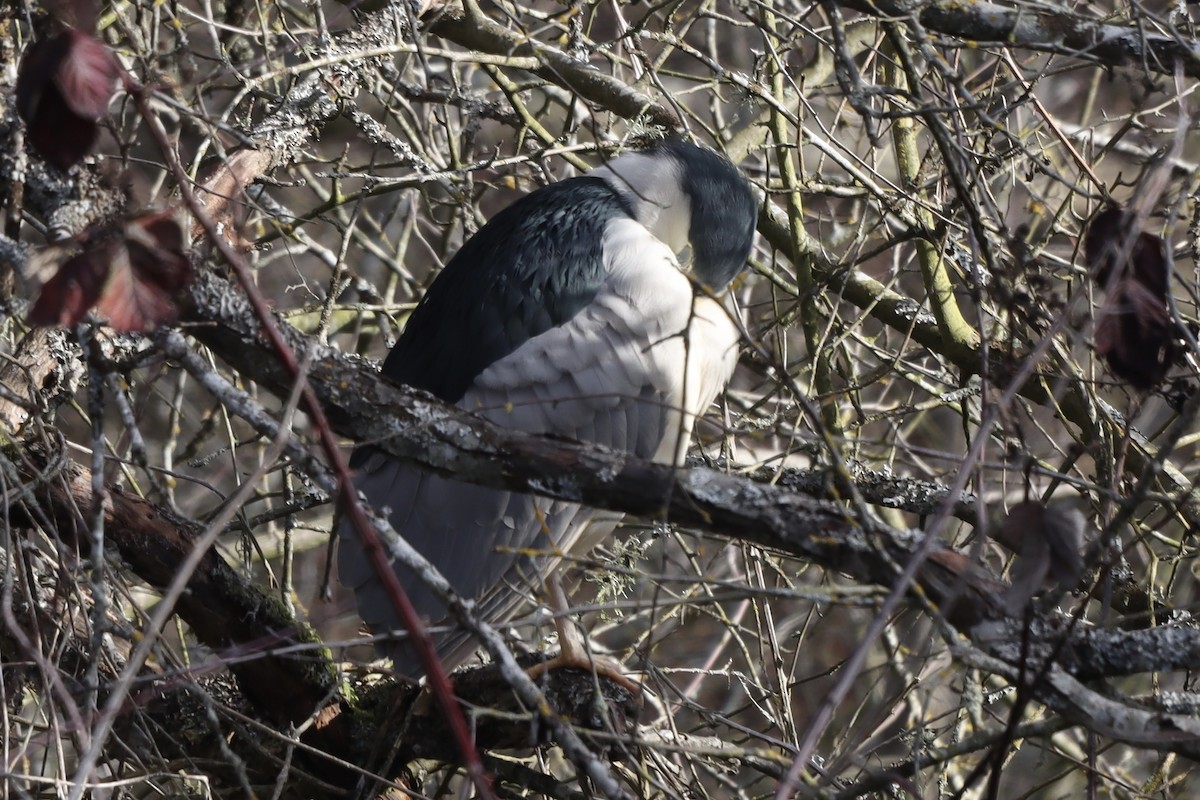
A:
925	323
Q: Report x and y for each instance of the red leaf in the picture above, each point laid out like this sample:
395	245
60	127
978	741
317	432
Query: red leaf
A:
64	86
128	274
75	288
1113	243
1134	332
87	77
155	243
130	303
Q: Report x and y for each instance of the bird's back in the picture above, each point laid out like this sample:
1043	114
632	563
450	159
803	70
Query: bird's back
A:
529	269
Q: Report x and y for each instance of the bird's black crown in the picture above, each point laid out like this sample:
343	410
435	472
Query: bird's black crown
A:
723	211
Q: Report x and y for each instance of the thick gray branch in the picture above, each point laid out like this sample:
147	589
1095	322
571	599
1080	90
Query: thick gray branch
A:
416	427
1039	29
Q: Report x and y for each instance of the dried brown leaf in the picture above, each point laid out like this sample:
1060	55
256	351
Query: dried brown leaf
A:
1048	543
1134	332
76	287
1135	335
128	274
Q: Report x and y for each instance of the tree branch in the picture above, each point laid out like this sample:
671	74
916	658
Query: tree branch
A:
416	427
1105	43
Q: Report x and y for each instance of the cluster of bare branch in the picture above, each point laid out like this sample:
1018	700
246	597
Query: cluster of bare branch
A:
936	539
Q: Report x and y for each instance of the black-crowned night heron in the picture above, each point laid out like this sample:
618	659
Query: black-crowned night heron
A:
567	314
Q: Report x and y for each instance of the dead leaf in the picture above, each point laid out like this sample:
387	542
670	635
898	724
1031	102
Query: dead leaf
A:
128	273
64	85
77	285
1134	333
1048	543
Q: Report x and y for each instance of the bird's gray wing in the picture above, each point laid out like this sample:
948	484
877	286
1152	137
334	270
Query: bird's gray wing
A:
495	294
630	371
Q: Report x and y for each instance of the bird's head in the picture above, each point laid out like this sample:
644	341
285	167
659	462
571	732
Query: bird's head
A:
690	196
